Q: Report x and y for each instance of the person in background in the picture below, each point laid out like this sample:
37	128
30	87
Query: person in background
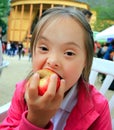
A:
62	42
29	54
13	48
20	48
97	47
112	55
8	48
107	55
88	14
102	50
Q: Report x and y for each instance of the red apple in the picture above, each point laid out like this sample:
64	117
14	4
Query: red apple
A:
44	80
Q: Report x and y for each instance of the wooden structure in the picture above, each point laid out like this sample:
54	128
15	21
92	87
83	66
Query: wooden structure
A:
25	13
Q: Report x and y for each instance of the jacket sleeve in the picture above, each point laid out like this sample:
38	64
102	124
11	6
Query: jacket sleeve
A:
26	125
16	118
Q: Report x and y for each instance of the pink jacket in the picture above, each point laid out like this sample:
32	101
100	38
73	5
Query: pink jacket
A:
90	113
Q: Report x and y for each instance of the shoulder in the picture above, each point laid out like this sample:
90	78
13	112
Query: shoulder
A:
92	97
101	106
90	93
100	101
18	101
20	85
96	94
93	103
20	88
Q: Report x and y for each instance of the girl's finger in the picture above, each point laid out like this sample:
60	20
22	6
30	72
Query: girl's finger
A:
33	86
61	91
62	87
52	86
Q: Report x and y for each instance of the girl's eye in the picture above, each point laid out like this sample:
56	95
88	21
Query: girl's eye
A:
43	48
69	53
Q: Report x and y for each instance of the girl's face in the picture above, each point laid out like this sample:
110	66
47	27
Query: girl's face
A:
61	48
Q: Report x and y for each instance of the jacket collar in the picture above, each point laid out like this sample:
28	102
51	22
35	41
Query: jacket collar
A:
84	113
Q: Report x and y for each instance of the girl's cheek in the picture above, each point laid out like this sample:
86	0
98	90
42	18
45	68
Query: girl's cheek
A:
35	65
38	63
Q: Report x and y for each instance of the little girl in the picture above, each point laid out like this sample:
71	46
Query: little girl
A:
62	42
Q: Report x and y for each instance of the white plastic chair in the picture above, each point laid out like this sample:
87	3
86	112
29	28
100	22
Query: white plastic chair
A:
3	65
105	67
3	111
111	105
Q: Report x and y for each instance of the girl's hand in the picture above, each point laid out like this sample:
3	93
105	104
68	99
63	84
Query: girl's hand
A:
42	108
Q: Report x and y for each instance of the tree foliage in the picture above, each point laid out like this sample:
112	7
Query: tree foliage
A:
4	9
100	25
105	12
104	8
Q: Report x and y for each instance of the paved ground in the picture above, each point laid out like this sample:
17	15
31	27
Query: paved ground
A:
16	71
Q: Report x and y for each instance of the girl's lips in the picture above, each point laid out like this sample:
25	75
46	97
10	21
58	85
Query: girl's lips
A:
60	77
54	72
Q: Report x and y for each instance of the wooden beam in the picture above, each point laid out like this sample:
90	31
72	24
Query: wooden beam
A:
21	22
41	9
15	12
30	18
55	2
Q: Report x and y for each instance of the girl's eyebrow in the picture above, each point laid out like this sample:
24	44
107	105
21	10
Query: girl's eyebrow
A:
42	37
70	43
73	44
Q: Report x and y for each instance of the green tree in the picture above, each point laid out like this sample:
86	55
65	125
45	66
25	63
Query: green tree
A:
104	9
4	10
100	25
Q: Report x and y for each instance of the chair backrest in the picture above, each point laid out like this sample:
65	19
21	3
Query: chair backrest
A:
3	65
3	111
105	67
111	105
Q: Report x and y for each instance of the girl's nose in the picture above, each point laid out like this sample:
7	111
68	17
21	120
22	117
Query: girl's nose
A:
53	62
